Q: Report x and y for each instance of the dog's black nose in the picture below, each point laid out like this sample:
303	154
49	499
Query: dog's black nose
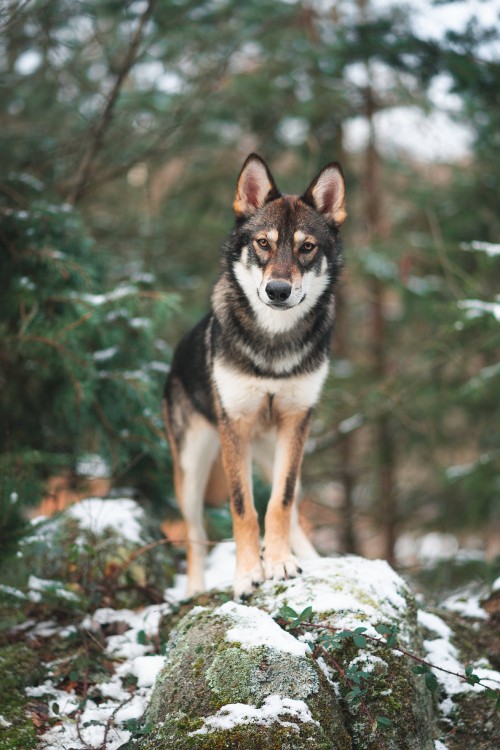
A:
278	291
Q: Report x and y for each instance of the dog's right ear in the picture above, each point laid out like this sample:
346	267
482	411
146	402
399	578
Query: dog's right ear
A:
256	187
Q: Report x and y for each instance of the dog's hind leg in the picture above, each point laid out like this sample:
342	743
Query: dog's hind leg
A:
301	545
194	450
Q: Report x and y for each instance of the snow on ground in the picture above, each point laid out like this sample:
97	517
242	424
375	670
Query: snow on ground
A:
489	248
441	652
219	572
110	704
429	549
97	514
477	307
466	604
328	585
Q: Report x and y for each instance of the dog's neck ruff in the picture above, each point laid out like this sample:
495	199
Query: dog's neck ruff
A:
257	339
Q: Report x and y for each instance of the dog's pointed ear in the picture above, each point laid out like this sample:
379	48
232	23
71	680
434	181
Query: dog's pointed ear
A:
256	187
326	194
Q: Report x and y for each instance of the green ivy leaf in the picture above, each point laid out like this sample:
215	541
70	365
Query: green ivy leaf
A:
354	695
383	722
142	638
420	669
287	613
359	640
431	681
306	613
343	634
366	675
473	679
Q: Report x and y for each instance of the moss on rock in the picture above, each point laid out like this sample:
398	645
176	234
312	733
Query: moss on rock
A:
205	673
223	671
178	732
19	666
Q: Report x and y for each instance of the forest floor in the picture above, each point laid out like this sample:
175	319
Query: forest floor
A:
75	680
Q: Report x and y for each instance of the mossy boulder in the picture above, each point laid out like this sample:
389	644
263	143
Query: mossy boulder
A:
235	679
94	548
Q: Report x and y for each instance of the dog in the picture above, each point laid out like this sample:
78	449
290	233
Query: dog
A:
246	378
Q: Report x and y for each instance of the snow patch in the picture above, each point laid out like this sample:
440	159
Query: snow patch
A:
476	307
253	628
102	355
39	586
467	605
219	572
234	714
486	247
87	730
147	669
434	623
351	424
122	515
11	591
120	292
333	586
442	653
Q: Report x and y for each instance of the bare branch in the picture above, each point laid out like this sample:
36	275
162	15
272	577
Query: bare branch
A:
15	14
94	146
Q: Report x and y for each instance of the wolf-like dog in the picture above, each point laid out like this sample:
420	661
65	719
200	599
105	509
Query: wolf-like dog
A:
245	380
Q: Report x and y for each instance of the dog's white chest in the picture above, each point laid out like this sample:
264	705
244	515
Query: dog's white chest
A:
242	394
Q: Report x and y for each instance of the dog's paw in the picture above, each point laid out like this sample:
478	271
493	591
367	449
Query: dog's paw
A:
246	581
279	570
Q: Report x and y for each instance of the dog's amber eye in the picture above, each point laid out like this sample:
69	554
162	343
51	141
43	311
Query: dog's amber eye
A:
263	243
307	247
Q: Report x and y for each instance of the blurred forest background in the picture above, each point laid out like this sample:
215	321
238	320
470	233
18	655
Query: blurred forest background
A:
123	129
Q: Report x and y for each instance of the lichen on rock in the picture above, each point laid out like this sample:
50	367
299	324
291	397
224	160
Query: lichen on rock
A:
234	679
235	674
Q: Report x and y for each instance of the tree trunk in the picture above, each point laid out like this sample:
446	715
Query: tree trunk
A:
387	500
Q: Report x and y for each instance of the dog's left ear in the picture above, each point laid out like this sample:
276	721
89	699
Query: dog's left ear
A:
256	187
326	194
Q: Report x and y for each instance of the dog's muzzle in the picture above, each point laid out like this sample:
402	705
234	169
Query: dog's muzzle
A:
278	293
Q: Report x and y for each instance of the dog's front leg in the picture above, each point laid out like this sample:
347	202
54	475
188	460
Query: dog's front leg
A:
236	457
292	431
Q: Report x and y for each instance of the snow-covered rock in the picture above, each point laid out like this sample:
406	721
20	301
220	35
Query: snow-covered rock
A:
234	677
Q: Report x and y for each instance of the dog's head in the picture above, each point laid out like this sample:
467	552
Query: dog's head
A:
287	245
